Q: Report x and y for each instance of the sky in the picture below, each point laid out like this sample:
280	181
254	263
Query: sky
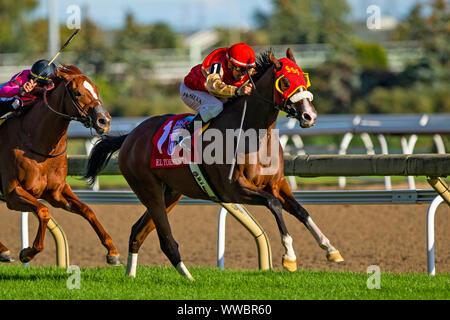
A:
188	15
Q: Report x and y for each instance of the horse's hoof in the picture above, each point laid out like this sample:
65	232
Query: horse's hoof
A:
114	260
6	256
335	257
25	255
289	265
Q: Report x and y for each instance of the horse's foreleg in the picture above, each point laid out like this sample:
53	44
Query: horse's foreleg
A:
5	254
261	197
70	202
293	207
19	199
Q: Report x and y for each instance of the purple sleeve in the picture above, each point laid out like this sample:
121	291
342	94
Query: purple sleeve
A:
11	88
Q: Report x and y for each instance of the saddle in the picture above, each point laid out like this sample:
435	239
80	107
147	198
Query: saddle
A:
167	153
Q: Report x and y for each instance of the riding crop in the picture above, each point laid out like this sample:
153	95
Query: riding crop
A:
59	52
238	139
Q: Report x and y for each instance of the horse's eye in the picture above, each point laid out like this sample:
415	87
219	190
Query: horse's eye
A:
285	83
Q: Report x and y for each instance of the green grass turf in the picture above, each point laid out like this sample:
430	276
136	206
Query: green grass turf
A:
164	283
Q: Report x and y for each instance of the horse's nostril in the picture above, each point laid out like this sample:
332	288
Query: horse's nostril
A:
102	122
306	117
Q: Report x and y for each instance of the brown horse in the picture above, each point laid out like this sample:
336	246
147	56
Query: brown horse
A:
160	189
34	160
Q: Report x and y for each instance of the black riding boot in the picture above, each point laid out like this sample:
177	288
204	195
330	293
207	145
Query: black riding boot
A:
190	126
186	141
7	106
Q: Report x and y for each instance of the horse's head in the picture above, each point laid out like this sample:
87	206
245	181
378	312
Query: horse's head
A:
291	90
85	98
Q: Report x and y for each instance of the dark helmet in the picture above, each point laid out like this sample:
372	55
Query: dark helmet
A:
42	72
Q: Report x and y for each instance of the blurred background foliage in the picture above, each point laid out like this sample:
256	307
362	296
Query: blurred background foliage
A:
355	78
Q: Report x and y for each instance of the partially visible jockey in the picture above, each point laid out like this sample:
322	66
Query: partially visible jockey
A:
222	75
19	90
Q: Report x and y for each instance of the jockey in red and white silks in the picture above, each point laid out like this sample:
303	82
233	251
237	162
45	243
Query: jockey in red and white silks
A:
222	75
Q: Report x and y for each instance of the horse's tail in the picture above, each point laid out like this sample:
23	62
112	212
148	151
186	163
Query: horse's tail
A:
100	155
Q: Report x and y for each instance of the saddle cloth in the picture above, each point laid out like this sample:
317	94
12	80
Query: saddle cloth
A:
166	152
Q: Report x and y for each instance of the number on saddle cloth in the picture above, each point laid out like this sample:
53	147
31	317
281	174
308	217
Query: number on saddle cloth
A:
176	134
178	126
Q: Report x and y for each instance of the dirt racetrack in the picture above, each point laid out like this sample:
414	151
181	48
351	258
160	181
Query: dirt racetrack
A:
390	236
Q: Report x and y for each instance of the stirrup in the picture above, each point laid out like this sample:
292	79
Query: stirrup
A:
185	143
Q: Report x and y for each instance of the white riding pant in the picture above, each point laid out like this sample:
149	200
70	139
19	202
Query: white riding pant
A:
204	103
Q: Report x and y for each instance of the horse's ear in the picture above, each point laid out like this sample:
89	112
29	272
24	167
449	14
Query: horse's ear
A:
275	61
290	55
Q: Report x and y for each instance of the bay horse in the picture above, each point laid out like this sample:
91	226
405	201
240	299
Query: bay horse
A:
159	189
34	159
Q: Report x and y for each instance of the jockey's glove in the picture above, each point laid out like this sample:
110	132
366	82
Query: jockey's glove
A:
17	103
239	91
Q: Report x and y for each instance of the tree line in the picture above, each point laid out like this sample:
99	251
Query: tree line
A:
355	78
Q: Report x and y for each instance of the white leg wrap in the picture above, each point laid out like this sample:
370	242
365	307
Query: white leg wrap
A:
132	264
181	268
287	243
323	241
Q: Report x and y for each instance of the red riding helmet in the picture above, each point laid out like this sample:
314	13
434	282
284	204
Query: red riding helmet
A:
240	54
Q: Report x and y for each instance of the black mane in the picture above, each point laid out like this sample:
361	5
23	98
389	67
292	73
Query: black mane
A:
262	64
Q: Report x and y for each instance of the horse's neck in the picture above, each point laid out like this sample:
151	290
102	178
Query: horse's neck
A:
44	127
260	113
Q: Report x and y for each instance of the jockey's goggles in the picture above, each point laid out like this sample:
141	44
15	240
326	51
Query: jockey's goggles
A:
39	77
239	69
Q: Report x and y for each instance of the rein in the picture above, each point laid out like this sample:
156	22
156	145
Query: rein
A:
85	119
291	112
82	110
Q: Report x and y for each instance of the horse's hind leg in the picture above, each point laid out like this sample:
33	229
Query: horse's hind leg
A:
70	202
19	199
145	224
5	254
151	191
143	227
293	207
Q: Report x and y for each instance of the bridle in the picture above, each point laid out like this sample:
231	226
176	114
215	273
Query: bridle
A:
290	110
85	119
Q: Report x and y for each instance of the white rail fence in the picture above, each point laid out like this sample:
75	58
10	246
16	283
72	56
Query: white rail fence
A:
409	127
429	165
304	197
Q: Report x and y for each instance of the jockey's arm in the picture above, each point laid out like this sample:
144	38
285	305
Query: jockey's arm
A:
215	85
9	90
18	86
